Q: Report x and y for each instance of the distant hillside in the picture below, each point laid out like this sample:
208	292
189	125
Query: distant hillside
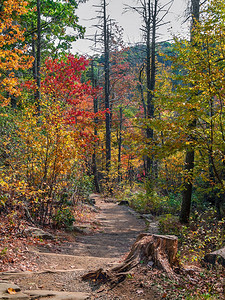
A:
137	53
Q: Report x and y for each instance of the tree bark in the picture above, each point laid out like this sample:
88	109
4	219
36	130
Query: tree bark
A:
107	85
120	145
142	92
34	68
95	104
187	194
150	24
150	64
38	57
190	155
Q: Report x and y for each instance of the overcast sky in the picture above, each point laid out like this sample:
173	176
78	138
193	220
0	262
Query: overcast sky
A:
130	21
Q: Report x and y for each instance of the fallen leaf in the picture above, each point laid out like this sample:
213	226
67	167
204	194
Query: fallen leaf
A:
11	291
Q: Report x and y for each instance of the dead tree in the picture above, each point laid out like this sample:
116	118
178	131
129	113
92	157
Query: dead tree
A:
107	87
102	38
95	104
105	39
38	58
152	13
120	144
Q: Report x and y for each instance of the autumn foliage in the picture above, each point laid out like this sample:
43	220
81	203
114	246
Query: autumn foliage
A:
53	141
51	144
12	53
45	151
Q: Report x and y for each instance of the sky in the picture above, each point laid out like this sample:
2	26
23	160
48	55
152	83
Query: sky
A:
130	21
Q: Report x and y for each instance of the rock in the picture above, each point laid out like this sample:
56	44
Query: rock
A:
82	229
153	227
4	286
93	196
148	217
37	294
124	202
216	256
53	295
38	233
78	230
91	208
92	199
134	213
92	202
110	200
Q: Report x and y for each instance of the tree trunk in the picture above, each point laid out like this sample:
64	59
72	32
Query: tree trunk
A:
186	203
140	85
189	159
107	84
38	57
120	146
13	101
150	110
34	68
151	19
95	104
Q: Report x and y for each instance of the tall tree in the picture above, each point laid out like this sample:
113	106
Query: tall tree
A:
107	87
106	38
152	13
51	26
37	57
190	153
58	24
94	80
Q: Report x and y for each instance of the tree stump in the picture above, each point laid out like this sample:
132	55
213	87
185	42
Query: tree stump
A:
161	250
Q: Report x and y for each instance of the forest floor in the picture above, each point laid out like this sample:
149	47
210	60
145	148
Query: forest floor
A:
53	269
109	233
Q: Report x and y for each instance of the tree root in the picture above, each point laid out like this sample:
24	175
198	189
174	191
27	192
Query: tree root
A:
161	250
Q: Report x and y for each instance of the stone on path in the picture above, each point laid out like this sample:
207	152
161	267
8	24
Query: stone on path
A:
38	233
36	294
5	285
53	295
216	256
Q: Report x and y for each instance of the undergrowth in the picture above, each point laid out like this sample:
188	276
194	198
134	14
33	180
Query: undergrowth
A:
203	235
151	202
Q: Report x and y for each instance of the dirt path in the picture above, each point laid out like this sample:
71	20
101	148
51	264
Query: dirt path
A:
119	230
62	271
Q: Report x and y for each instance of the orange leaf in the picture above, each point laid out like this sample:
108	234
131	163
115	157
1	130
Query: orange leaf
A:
11	291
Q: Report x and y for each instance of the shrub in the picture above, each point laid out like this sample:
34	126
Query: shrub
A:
156	204
203	235
82	186
64	217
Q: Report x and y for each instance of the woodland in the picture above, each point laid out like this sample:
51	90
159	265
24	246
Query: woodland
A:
142	124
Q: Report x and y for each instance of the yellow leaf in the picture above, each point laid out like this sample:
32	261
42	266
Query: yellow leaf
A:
11	291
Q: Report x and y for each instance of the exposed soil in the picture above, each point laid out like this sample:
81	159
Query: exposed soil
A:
60	267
